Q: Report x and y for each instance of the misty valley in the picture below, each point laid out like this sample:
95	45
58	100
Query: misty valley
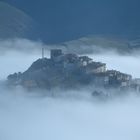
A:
69	69
69	113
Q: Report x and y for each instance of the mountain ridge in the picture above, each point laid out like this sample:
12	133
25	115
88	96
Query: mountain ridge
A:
66	20
14	23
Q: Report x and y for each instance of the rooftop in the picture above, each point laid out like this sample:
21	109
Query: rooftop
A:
96	65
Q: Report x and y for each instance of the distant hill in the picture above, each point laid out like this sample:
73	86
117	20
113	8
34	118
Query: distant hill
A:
65	20
97	44
15	23
79	26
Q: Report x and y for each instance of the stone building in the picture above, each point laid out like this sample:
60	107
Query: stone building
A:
85	60
117	78
55	54
95	67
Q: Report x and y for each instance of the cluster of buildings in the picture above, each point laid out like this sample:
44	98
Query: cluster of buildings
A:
56	69
71	62
97	70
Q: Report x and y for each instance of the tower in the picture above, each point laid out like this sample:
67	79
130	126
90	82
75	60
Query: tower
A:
42	53
55	53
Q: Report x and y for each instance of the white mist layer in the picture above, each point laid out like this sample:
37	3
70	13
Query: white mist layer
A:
24	116
12	62
32	118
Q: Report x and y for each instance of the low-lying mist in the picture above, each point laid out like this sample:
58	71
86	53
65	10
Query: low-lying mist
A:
72	116
29	117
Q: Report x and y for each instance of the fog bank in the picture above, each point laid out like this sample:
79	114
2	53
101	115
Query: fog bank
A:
28	117
72	116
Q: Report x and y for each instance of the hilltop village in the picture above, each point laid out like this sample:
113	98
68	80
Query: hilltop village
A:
69	71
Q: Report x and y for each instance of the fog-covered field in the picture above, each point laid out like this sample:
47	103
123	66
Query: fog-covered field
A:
33	116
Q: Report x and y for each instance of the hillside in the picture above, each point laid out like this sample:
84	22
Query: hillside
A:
80	26
14	22
97	44
67	20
